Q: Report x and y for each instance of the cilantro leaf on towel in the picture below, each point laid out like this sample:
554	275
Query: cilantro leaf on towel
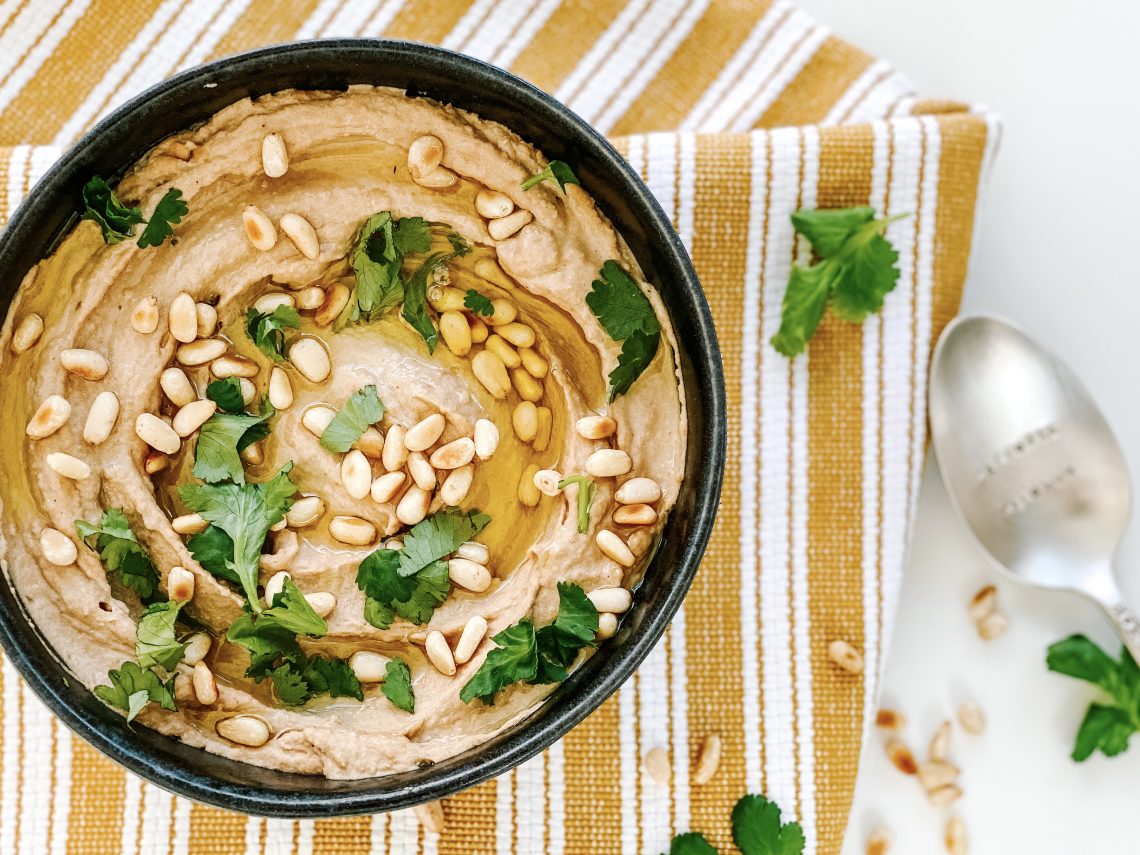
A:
121	552
170	210
362	409
626	314
757	829
1108	726
691	843
557	171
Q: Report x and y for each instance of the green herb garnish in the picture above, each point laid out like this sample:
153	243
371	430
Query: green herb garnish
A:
267	329
170	210
757	829
377	259
459	244
627	315
362	409
587	489
156	643
132	687
226	393
388	594
556	171
398	685
1107	726
116	221
222	438
121	552
437	536
478	303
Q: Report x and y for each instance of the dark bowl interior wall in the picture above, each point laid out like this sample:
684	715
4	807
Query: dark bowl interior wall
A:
191	98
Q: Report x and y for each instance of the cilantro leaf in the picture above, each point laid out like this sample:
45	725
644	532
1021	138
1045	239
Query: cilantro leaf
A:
398	685
415	301
411	234
116	221
363	408
556	171
155	642
214	550
587	489
757	829
855	270
289	685
440	534
637	353
217	452
227	395
132	687
1106	726
626	314
478	303
266	642
244	512
121	552
267	329
387	593
691	844
376	263
459	245
1077	656
514	659
170	210
296	682
291	611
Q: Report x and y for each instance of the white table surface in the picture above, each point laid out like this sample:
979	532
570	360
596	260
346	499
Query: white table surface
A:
1056	253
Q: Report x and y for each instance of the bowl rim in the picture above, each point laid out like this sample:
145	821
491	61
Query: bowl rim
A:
527	741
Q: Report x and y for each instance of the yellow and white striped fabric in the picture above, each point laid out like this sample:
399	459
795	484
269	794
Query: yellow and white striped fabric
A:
737	112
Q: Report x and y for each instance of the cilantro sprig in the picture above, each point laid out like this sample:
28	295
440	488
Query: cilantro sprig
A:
267	329
627	315
117	221
397	685
1108	726
377	259
437	536
222	438
557	171
226	393
587	490
167	213
156	642
757	829
133	687
362	409
121	553
855	271
478	303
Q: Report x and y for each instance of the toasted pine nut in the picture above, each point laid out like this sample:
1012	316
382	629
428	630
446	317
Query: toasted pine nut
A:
596	427
470	575
371	442
57	547
937	773
639	540
182	317
474	631
321	602
268	303
901	757
200	352
193	523
336	298
492	373
547	481
456	485
274	586
614	548
518	334
180	584
972	719
144	318
316	418
528	388
607	625
528	493
508	226
502	349
638	491
845	656
635	515
157	434
31	327
440	178
945	796
84	363
430	816
413	506
259	229
421	471
233	366
423	434
545	426
51	415
68	467
940	742
253	455
305	511
615	601
177	387
280	389
247	730
493	205
452	455
310	298
991	626
486	438
504	312
479	330
356	474
984	603
424	155
608	463
535	365
395	454
955	836
368	667
708	759
657	765
274	155
205	686
197	648
456	333
311	359
439	653
385	488
887	719
879	842
524	419
101	418
302	234
192	416
352	530
444	299
207	317
155	461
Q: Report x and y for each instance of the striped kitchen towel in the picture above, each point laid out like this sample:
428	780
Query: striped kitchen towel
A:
736	112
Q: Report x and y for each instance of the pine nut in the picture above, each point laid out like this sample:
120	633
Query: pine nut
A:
424	155
311	359
456	333
352	530
886	719
657	765
901	757
207	317
490	371
596	427
393	543
205	686
520	335
57	547
192	416
708	759
493	205
356	474
639	540
67	466
305	511
474	631
274	586
333	304
937	773
413	506
52	414
452	455
280	389
259	229
479	330
505	227
614	601
547	481
282	523
444	299
955	837
430	816
248	390
535	365
545	426
197	648
421	471
524	419
486	438
940	742
385	488
274	156
310	298
528	388
29	330
469	574
371	442
180	584
608	463
395	454
972	719
247	730
502	349
607	625
177	387
183	318
423	434
638	491
267	303
84	363
879	842
189	524
368	667
157	434
984	603
440	178
321	602
635	515
945	796
456	485
472	550
504	312
155	462
200	352
302	234
992	626
101	418
845	656
316	418
144	318
439	653
233	366
614	548
528	493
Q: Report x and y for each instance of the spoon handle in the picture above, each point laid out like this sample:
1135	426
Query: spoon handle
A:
1126	621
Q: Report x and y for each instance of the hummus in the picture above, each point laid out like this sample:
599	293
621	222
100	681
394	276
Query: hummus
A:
278	191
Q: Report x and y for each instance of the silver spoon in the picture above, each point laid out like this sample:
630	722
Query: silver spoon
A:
1030	463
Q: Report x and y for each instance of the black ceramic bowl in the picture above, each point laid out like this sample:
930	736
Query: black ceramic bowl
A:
187	99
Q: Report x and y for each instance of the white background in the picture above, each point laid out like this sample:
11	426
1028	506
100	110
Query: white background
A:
1056	252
